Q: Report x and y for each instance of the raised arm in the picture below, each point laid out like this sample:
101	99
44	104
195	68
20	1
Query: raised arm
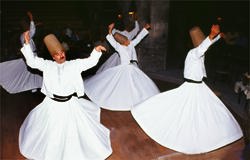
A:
32	24
141	35
134	31
130	35
110	37
212	38
111	27
92	60
31	59
32	30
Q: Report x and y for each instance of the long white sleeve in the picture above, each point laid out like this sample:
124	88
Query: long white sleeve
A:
202	48
86	63
32	60
194	63
140	36
134	31
130	35
112	41
32	29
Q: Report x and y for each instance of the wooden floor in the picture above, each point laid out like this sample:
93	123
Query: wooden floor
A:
129	142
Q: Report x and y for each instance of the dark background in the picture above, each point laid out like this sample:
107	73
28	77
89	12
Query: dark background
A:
94	16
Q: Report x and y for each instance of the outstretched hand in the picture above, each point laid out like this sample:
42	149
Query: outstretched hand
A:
147	26
26	36
215	30
30	15
110	27
223	35
100	48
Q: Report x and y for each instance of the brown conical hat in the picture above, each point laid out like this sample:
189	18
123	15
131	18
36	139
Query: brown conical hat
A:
196	35
53	44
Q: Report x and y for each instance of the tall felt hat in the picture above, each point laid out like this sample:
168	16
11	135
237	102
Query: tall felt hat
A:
196	35
53	44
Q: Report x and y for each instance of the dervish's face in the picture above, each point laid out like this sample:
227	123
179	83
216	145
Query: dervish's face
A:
59	57
127	42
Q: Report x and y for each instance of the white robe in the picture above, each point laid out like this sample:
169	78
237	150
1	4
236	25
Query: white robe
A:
123	86
190	119
63	130
114	59
15	76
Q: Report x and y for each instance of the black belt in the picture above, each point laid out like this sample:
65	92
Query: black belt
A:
134	61
63	98
191	81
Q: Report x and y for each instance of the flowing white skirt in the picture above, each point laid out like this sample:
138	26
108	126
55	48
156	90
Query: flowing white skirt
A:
15	77
120	88
64	131
190	119
112	61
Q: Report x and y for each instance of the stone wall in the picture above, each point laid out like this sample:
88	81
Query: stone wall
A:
152	51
